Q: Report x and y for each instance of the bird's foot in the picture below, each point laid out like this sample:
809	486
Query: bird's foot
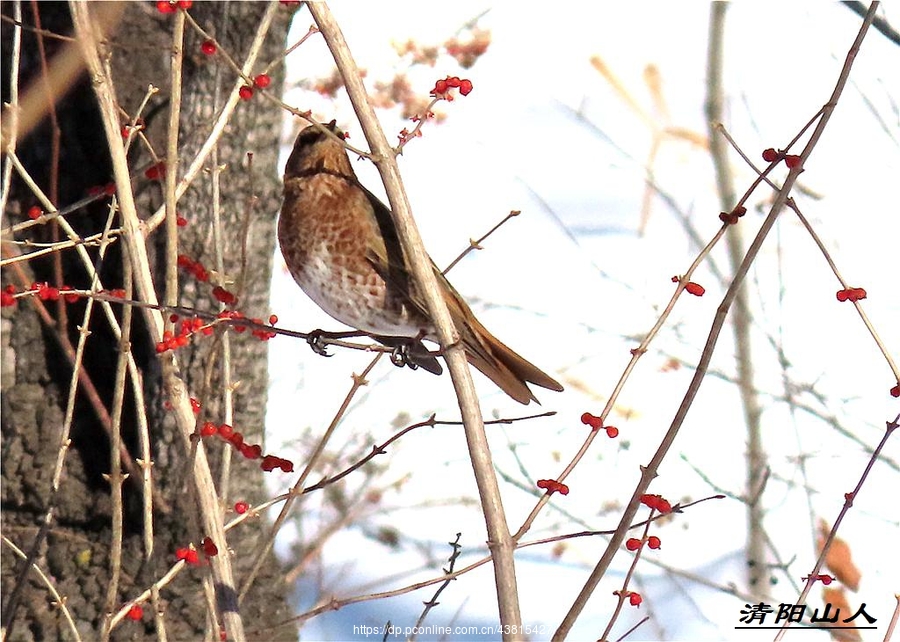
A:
315	341
410	351
400	356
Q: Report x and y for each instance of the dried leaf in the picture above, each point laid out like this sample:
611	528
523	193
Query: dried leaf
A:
839	560
838	600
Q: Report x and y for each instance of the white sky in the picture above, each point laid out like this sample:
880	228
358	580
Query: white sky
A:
567	305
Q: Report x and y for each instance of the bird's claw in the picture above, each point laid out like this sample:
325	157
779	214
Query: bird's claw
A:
400	356
314	339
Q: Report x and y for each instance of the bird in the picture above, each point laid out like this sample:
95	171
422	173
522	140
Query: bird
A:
341	246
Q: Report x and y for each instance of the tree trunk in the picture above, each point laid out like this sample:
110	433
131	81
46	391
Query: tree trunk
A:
38	336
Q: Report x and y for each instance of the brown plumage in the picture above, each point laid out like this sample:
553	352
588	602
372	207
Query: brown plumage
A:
341	246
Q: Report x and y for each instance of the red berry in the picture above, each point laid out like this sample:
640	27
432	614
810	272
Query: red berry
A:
769	155
180	221
195	406
612	432
654	542
245	92
792	161
209	429
69	298
136	612
34	212
224	295
590	420
209	547
262	81
895	391
251	451
633	543
225	431
7	299
465	87
208	47
156	171
164	6
185	4
695	288
273	319
635	599
241	507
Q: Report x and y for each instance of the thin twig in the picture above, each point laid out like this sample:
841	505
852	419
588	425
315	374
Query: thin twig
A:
115	478
476	245
430	604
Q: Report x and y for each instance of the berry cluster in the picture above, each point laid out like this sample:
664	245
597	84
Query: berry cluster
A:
260	333
45	292
442	87
851	294
596	423
249	451
194	267
770	155
656	502
183	331
633	543
731	218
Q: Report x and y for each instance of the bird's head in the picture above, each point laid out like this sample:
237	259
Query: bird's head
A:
318	151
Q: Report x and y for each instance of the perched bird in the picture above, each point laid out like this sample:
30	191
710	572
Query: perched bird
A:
340	245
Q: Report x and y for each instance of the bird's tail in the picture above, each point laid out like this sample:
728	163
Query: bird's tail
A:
497	361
